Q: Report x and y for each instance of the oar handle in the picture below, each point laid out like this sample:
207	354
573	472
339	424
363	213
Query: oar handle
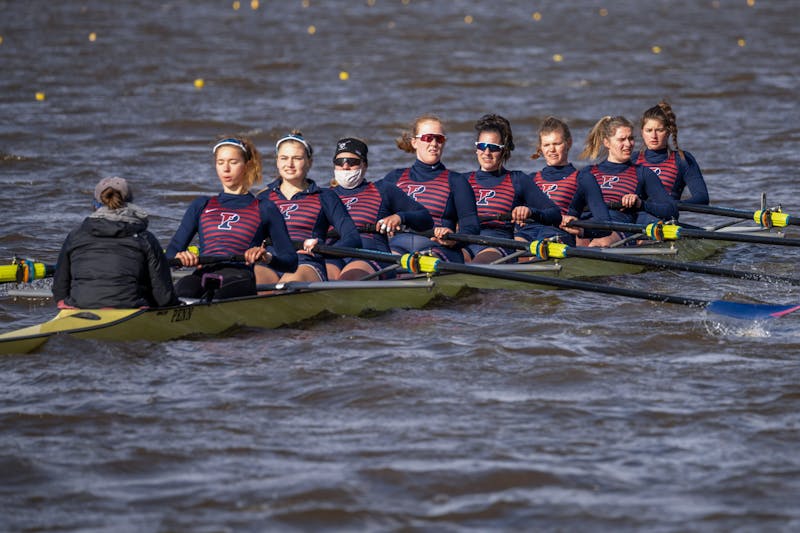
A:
211	260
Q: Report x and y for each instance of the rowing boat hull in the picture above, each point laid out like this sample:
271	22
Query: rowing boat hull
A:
265	311
336	298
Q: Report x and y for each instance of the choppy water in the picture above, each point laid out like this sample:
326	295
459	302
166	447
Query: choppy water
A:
534	410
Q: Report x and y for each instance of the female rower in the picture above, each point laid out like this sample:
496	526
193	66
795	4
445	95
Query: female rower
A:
502	193
572	192
111	260
676	168
633	192
307	209
381	205
232	223
447	195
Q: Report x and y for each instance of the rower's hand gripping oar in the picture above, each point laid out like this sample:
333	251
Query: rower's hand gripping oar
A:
417	263
25	271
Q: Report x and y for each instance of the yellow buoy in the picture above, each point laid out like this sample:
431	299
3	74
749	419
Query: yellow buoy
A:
306	3
468	19
199	83
603	12
40	96
344	75
92	37
236	5
1	39
751	3
537	16
656	49
312	30
558	58
253	4
741	42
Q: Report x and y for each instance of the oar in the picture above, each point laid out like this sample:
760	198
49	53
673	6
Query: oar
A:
422	263
659	231
24	271
549	250
765	217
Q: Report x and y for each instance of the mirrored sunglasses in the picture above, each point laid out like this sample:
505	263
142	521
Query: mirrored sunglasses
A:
430	137
492	147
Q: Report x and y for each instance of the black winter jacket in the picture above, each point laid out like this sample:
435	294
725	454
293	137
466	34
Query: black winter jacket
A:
111	260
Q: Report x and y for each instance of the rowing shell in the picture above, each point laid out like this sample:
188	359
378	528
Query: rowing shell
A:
307	300
199	318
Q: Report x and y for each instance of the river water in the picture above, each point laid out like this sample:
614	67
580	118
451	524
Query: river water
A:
539	410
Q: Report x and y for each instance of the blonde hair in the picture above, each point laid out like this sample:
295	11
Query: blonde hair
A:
605	128
404	141
253	172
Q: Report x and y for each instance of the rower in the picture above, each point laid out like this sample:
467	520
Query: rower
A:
576	195
307	210
634	192
381	206
506	194
234	222
677	169
446	194
111	259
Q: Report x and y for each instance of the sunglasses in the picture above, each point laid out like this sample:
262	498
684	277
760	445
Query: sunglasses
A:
342	161
492	147
430	137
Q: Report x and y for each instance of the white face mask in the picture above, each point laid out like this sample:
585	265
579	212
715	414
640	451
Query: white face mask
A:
349	179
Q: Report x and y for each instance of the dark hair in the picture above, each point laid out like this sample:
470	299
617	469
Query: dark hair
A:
551	125
663	113
502	127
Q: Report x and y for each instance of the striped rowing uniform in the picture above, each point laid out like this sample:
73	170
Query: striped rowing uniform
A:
309	214
676	173
446	195
229	224
498	193
618	179
574	193
369	202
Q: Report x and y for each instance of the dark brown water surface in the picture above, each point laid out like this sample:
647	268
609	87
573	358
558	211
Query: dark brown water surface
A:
540	410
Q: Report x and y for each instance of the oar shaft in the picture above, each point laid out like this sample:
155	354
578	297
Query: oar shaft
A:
598	254
729	212
444	266
15	273
689	233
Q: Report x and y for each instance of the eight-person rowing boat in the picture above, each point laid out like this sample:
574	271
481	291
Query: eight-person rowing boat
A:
424	232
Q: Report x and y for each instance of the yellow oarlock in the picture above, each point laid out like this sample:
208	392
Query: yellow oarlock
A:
658	231
768	218
547	249
416	263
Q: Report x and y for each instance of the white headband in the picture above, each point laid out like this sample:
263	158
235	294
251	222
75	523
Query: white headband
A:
293	137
